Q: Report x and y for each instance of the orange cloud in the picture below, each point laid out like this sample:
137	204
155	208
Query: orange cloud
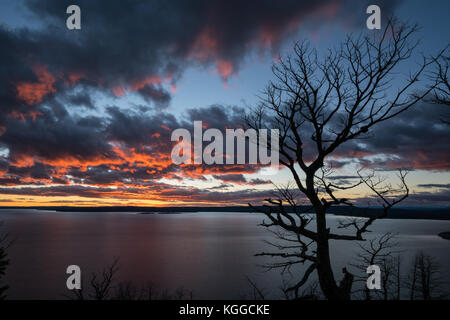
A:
75	77
23	161
118	91
139	84
33	92
205	45
224	68
22	115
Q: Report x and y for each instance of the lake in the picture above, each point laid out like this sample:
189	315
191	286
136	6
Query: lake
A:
211	254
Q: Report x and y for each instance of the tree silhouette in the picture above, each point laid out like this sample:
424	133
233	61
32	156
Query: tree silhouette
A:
100	284
441	93
103	285
380	251
424	279
4	262
319	103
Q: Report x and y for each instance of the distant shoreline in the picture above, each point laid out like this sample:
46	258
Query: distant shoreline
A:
445	235
395	213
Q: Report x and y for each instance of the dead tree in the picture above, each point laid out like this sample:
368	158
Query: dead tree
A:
319	103
380	251
441	93
100	285
424	279
4	262
104	286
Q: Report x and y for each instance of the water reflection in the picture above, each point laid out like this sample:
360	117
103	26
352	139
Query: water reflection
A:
209	253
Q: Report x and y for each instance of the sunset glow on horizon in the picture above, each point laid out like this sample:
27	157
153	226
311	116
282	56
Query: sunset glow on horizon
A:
87	115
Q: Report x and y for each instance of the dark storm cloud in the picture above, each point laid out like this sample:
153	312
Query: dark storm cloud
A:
14	69
228	197
162	191
239	179
9	181
37	171
131	147
435	185
218	116
138	130
72	190
416	198
259	181
55	134
139	45
235	178
415	139
143	47
152	93
57	140
87	138
52	138
424	198
343	177
81	99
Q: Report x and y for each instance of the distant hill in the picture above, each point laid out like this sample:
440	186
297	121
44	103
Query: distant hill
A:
395	213
445	235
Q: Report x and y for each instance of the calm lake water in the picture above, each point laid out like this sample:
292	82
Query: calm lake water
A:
211	254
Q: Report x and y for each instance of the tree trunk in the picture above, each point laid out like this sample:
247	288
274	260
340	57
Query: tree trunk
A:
324	270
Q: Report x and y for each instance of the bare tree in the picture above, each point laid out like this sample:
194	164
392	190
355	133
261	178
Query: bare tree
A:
127	290
424	279
100	284
380	251
104	286
441	93
4	262
310	292
257	292
319	103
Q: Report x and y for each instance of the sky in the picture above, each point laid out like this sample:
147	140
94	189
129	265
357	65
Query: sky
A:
87	114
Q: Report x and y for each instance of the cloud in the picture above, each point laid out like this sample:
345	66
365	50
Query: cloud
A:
235	178
156	94
415	139
435	185
130	151
143	48
142	45
33	92
120	148
429	198
416	198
